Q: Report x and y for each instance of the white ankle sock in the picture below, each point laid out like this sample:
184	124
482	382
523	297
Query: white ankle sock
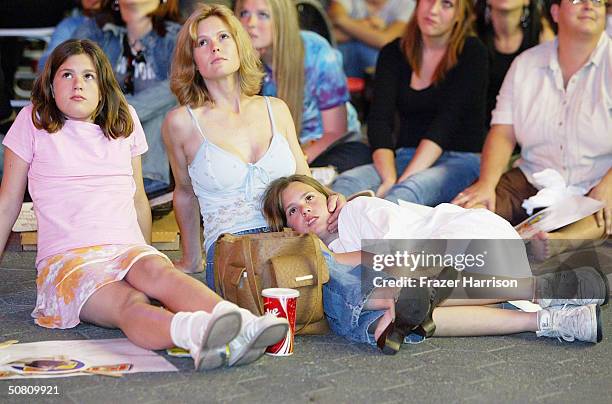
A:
186	328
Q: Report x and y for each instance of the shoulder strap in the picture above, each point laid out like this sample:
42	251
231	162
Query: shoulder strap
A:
271	115
195	122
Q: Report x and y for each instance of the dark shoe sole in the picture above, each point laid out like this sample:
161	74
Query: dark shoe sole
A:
599	325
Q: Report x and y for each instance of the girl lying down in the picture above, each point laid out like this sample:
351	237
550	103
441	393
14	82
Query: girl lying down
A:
300	202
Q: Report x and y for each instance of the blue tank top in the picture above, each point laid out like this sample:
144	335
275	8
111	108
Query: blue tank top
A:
229	190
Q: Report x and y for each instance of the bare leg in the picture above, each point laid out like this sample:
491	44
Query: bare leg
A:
157	278
478	320
380	301
119	305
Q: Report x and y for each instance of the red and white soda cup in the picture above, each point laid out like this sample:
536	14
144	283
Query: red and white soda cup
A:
281	302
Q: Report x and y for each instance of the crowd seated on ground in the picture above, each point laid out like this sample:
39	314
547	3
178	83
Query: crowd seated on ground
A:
451	101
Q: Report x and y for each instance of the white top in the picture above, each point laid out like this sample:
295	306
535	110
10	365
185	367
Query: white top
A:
374	218
568	130
229	189
393	10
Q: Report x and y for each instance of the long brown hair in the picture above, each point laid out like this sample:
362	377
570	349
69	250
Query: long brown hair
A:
185	80
288	57
112	114
272	201
412	40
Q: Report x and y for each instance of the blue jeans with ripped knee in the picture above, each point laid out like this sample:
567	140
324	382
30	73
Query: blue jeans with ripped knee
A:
344	297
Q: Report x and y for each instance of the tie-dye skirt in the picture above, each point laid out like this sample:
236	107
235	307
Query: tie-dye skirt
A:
65	281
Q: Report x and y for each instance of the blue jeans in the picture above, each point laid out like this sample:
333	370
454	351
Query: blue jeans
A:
450	174
357	57
151	105
344	296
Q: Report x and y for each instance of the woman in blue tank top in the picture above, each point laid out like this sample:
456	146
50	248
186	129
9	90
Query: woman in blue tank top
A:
225	143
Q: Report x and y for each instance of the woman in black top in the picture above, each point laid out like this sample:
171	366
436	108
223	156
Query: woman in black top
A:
507	28
434	79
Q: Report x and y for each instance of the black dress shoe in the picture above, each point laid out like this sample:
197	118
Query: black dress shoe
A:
413	313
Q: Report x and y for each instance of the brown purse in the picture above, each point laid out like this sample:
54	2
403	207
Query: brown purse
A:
246	264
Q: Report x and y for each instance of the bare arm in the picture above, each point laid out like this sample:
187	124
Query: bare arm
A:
175	130
141	202
367	30
11	194
496	154
384	163
334	128
283	117
425	155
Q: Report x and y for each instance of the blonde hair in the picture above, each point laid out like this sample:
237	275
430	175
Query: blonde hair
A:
412	40
112	113
272	204
288	57
186	82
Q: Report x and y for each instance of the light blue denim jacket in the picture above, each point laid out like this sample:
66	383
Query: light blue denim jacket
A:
157	50
63	31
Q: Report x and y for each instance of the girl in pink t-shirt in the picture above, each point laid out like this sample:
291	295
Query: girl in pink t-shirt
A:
78	147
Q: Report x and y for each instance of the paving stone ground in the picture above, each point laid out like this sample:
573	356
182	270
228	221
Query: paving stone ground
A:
328	369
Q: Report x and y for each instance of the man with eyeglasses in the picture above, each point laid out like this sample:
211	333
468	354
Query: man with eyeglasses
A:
556	103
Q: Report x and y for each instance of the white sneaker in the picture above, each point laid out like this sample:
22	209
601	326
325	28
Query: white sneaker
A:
570	322
254	337
223	325
581	286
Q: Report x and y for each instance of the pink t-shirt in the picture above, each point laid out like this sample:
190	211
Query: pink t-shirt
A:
81	183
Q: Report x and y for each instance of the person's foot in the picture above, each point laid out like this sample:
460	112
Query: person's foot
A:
580	286
254	337
544	245
571	323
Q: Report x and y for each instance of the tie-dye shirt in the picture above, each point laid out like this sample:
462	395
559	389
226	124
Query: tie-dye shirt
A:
324	86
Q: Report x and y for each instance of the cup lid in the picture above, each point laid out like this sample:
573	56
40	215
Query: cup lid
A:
280	292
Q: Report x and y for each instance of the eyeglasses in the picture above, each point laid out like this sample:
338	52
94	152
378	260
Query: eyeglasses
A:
596	3
131	61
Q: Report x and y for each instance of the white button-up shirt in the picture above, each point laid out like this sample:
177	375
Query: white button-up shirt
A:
566	129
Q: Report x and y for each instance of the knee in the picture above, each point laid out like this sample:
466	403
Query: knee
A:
408	190
157	267
126	303
131	299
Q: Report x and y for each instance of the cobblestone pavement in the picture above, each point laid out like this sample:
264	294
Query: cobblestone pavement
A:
328	369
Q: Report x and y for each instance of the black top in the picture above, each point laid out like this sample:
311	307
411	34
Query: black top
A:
499	63
450	113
